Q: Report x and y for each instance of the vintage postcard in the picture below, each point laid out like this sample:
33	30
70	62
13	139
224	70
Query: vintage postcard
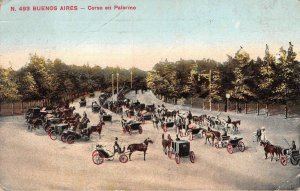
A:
149	95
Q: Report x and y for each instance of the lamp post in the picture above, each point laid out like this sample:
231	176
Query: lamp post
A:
112	87
131	79
227	101
117	85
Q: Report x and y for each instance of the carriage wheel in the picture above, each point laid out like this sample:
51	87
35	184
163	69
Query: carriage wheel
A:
165	128
192	156
130	131
293	161
177	158
124	130
70	139
230	148
191	136
94	152
97	159
170	154
63	138
123	158
241	146
283	160
140	130
217	145
52	135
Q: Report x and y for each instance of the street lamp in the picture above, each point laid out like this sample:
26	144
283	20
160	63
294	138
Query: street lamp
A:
112	87
131	79
227	101
117	85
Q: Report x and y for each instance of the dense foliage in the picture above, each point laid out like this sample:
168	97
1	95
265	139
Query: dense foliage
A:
42	78
268	80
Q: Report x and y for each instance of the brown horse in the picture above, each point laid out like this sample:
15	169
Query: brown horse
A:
139	147
216	133
269	148
166	142
90	130
208	134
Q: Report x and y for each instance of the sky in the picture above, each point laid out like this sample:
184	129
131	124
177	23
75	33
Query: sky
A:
157	29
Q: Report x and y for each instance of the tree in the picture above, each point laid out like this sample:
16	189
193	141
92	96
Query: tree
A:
8	86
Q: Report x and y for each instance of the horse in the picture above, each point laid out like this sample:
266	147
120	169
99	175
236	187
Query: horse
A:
35	123
139	147
90	130
216	133
235	123
269	148
208	134
166	142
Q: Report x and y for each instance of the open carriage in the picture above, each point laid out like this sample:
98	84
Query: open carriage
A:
231	144
69	136
101	154
57	130
193	132
181	149
132	126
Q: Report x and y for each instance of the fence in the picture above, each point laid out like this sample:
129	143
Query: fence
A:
19	108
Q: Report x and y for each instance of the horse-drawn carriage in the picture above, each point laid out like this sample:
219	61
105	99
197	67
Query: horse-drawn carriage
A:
290	155
95	107
147	116
34	112
167	124
132	126
100	154
57	130
107	117
181	149
82	102
70	136
193	132
230	144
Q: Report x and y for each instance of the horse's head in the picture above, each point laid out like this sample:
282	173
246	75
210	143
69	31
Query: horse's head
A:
263	143
148	140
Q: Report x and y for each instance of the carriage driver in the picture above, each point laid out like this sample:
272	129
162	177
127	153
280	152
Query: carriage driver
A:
293	147
263	135
117	147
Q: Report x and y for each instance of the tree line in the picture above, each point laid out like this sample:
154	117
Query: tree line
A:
271	79
43	78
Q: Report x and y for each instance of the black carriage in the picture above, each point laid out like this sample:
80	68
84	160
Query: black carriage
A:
54	120
69	136
33	113
100	154
95	107
290	155
82	102
147	116
167	124
150	108
132	126
231	144
107	117
57	130
181	149
193	132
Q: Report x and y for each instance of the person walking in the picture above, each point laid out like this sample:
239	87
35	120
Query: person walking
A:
263	135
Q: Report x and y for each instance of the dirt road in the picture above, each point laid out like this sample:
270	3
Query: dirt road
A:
32	161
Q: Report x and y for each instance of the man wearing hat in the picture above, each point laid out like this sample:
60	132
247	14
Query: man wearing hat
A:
293	147
117	147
